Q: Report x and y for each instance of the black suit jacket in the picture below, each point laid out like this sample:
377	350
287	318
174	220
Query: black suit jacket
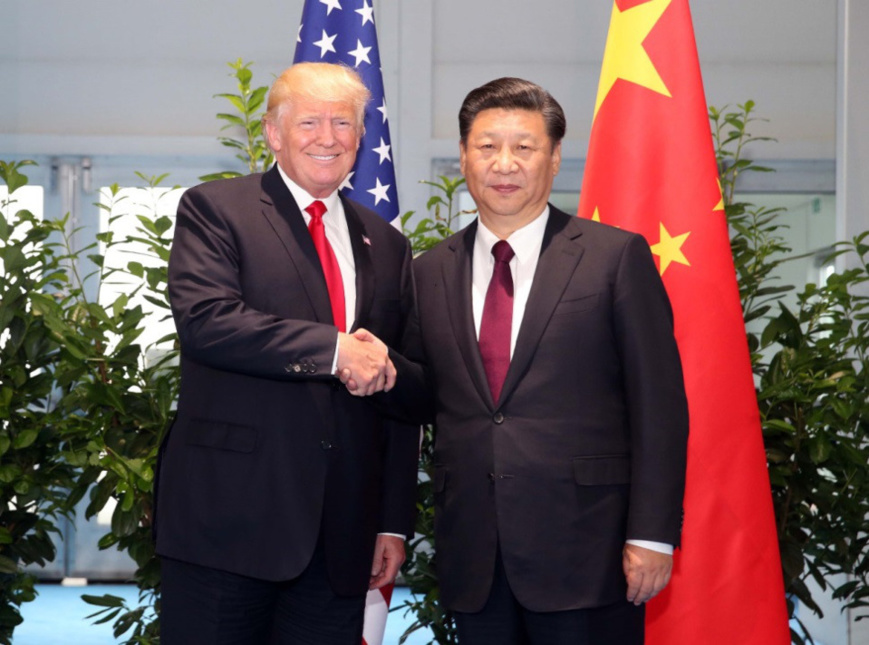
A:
267	446
587	445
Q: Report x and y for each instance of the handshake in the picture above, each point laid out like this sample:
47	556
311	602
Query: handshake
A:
364	365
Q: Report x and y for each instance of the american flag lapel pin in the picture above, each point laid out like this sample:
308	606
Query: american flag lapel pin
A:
366	240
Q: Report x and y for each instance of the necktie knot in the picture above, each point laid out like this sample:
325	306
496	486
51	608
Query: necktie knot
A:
502	251
316	210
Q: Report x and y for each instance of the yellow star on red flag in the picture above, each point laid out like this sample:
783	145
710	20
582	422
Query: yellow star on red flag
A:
669	249
624	56
720	205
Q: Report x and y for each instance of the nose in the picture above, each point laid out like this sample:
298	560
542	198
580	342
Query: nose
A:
505	162
326	133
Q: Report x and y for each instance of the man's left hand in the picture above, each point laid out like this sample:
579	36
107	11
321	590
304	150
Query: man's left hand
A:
647	572
388	557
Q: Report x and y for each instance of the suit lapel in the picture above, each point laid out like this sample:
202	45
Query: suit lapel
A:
457	282
559	257
364	265
284	216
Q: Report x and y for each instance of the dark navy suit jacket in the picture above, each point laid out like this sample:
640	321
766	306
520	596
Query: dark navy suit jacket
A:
268	447
587	445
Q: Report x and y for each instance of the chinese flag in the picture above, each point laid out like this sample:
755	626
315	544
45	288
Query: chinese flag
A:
651	169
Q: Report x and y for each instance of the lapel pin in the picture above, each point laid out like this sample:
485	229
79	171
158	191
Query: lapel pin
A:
366	240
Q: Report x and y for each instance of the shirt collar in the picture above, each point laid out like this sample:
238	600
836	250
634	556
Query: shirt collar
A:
303	197
525	241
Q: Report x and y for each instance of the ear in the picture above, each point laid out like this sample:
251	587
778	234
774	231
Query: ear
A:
462	156
556	158
273	136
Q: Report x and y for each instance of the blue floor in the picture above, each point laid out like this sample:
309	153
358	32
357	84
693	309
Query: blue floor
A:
57	617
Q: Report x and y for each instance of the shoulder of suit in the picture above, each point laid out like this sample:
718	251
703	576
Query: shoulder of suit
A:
231	186
445	248
374	224
597	231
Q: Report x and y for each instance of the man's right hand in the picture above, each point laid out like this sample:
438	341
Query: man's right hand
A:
364	365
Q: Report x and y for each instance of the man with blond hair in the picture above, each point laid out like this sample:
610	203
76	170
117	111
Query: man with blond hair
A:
285	495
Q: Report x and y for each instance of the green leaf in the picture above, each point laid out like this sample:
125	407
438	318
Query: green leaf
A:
10	175
820	448
106	600
163	224
236	101
7	565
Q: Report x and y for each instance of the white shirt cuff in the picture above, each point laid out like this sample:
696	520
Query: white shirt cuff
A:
394	535
660	547
335	357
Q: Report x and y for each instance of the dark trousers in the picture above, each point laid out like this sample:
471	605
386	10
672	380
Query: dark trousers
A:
204	606
503	621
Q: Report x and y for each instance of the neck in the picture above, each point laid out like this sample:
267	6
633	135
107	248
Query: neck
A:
504	227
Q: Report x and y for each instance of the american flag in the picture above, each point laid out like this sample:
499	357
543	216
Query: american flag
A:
342	31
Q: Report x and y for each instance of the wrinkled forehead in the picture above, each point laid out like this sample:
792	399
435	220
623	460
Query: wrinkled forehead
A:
509	123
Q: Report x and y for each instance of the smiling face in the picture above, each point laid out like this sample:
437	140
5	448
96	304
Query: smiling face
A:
509	164
315	143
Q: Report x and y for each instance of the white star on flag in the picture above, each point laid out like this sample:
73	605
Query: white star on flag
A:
337	37
332	4
379	192
367	13
360	53
383	151
382	109
325	43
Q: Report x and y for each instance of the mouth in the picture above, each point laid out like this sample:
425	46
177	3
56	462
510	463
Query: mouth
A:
323	157
504	189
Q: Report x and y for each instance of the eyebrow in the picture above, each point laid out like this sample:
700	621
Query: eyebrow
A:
520	135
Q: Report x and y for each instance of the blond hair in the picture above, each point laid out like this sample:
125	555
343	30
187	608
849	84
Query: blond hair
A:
319	82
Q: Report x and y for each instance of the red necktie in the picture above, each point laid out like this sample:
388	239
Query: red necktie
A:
496	325
330	263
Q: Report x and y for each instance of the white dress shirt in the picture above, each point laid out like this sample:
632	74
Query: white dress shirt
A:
335	223
526	243
338	235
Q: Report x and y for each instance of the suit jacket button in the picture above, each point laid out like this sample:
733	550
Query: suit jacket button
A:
498	418
325	445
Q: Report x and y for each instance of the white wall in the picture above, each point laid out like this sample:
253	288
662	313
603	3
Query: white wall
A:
138	78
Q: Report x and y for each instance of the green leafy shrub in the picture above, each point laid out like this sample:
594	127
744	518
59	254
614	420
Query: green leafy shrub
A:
34	478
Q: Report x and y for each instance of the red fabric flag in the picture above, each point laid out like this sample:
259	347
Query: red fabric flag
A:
651	169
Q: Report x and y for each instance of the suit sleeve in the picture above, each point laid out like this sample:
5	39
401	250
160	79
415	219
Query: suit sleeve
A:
401	463
411	400
655	392
216	327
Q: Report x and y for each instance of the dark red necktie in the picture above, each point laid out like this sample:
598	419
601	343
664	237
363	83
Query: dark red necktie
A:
497	321
330	263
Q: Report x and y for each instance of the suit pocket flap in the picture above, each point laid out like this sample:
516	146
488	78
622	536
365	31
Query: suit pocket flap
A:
601	471
221	435
576	305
